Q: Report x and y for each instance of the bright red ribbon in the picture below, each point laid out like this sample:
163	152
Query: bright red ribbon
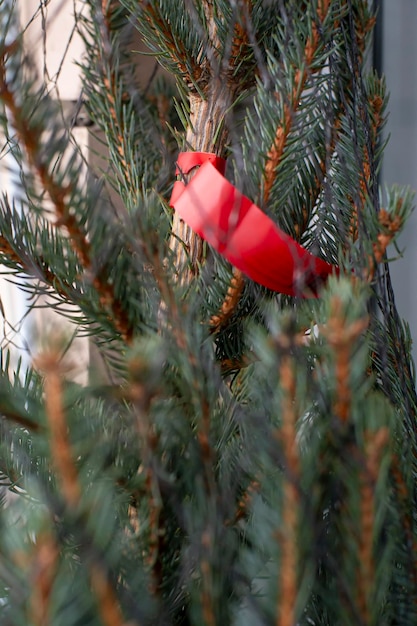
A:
241	232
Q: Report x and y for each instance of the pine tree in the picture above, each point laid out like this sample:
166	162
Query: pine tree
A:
249	456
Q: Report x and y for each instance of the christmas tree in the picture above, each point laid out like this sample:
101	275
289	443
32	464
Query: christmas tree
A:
246	453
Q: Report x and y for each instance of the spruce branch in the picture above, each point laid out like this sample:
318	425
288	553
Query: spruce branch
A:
291	100
117	106
374	446
403	499
30	136
230	302
207	599
391	225
245	502
39	270
238	470
341	336
142	393
68	476
288	533
43	568
108	604
373	120
30	139
161	35
240	41
62	457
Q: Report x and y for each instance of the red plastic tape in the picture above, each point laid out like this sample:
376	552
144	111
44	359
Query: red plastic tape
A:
241	232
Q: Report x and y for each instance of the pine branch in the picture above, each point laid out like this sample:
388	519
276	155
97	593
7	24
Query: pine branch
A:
375	444
291	101
162	35
230	302
59	194
43	566
61	453
287	534
67	473
340	336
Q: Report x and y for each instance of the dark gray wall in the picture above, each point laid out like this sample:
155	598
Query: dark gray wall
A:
400	160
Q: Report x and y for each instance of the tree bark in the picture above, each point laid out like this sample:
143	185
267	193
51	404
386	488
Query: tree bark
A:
207	132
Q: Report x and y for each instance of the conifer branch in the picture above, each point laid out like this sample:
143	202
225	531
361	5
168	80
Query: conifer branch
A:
39	270
62	458
375	122
405	499
244	503
207	608
108	604
30	138
322	172
110	79
67	473
207	539
148	441
43	566
288	534
240	41
391	225
291	101
235	364
230	302
375	444
190	70
340	335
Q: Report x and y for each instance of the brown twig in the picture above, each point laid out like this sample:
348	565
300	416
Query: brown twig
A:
234	364
230	302
207	582
208	460
49	363
287	436
107	601
391	225
375	443
290	106
43	566
141	394
245	502
340	335
67	474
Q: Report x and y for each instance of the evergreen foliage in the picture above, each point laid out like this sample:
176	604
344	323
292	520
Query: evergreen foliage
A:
247	458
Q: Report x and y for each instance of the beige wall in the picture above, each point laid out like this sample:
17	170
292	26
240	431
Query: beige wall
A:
52	43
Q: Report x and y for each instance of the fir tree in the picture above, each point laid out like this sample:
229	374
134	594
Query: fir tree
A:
249	457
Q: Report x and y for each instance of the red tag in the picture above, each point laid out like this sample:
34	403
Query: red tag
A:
242	233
